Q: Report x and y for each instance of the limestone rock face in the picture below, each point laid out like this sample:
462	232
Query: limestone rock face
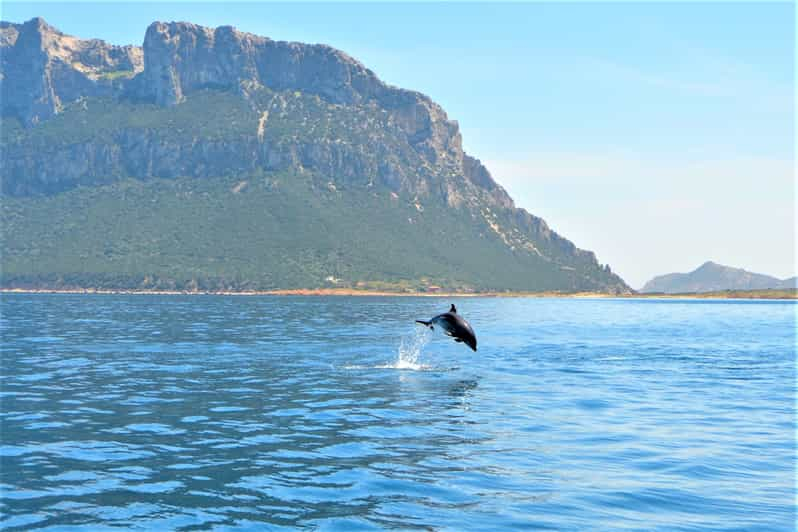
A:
182	57
42	69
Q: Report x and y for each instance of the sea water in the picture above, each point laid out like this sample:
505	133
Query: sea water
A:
251	413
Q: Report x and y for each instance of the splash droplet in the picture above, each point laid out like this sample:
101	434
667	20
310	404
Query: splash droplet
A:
410	348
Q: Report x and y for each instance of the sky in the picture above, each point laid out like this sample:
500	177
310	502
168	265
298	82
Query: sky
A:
659	135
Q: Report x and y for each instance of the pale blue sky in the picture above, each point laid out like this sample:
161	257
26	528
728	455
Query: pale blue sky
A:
657	135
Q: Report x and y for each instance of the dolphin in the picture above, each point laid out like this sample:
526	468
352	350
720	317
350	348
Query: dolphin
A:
455	326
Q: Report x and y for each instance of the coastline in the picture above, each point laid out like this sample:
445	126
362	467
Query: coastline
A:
785	295
349	292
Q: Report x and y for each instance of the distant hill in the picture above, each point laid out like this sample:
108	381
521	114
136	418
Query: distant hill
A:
710	277
213	159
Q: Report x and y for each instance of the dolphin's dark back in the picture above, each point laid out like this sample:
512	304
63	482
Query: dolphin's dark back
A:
458	328
455	326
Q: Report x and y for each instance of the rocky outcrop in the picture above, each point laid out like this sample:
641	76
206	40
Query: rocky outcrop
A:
43	69
182	57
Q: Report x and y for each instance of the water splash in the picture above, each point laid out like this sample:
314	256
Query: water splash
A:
410	348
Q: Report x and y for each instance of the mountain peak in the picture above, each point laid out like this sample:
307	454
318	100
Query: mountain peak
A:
39	24
711	277
711	265
45	69
181	57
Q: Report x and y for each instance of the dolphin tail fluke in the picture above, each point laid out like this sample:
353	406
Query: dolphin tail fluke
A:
426	323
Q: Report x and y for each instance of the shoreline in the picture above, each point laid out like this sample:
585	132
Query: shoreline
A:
348	292
296	292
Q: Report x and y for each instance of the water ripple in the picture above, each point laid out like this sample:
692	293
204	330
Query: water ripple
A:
276	413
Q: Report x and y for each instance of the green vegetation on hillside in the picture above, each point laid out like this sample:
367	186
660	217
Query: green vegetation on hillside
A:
328	221
291	116
261	232
207	114
116	74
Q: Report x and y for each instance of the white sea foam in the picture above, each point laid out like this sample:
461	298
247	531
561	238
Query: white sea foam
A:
410	348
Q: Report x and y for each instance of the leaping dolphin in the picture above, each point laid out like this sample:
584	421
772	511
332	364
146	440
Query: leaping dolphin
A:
455	326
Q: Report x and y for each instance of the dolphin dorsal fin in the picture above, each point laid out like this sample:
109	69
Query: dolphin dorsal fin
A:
453	310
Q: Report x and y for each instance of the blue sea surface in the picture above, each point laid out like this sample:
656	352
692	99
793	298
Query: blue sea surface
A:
340	413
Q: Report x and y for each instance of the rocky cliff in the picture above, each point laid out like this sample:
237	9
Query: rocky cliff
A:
179	59
201	103
43	69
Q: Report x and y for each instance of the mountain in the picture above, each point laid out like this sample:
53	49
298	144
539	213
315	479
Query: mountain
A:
711	277
217	159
